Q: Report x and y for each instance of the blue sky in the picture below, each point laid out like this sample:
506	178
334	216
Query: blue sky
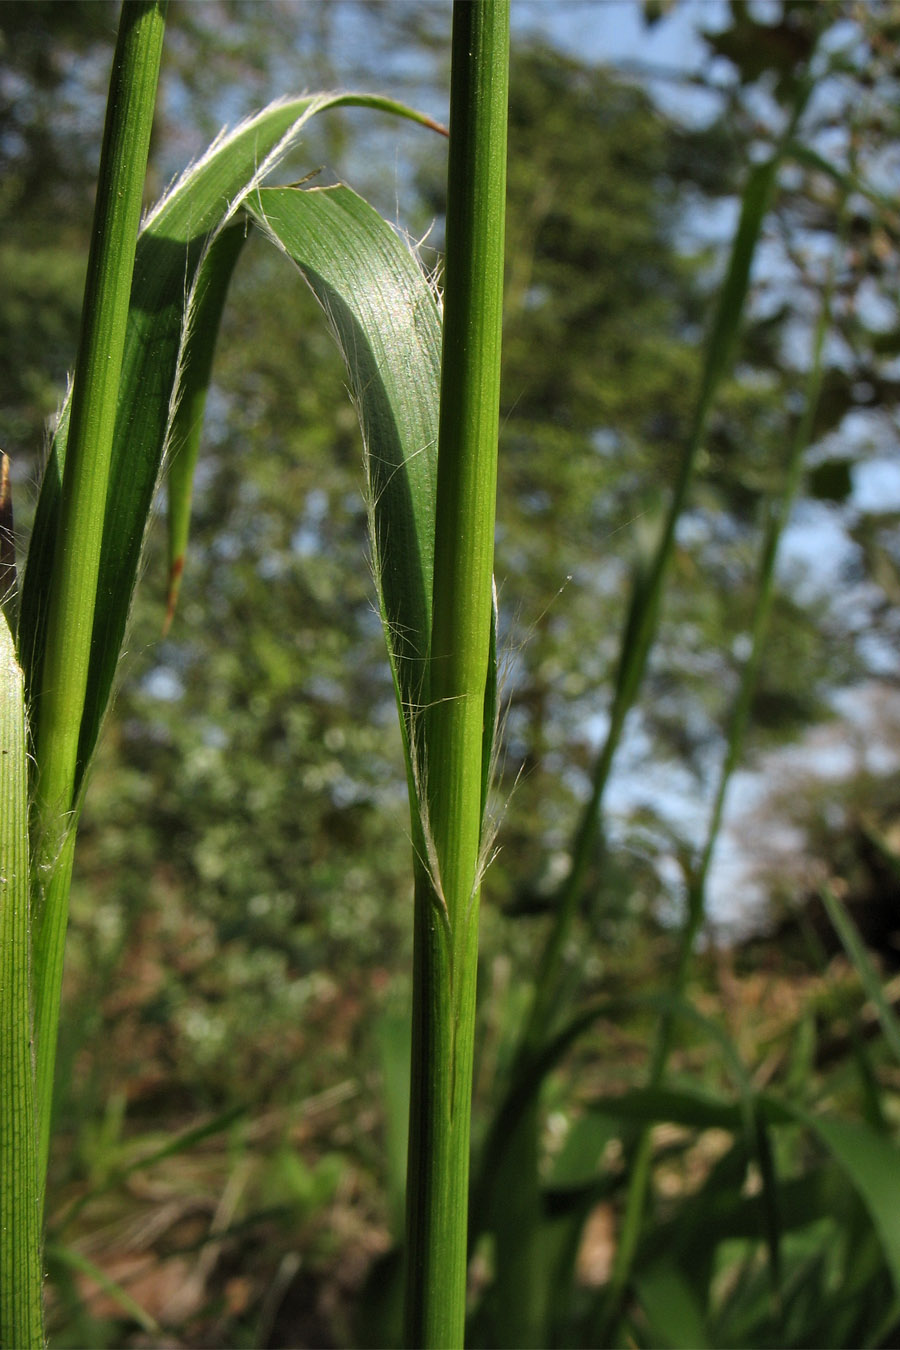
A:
614	31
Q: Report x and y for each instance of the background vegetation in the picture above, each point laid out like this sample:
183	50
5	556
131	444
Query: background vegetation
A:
230	1115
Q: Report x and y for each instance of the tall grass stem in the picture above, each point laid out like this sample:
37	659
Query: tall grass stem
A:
447	891
20	1210
73	591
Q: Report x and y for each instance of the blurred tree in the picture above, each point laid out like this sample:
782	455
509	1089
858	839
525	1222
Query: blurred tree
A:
53	64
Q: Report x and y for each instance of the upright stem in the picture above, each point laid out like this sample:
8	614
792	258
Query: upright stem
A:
21	1266
447	891
73	591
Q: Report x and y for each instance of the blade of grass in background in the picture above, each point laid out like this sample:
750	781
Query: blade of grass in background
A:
643	612
181	1143
210	293
855	948
21	1323
518	1266
776	523
68	1256
75	565
871	1163
447	891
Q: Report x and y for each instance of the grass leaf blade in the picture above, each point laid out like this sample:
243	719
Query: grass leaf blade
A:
202	329
872	1163
855	948
386	322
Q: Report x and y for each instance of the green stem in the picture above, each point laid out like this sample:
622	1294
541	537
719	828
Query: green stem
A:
20	1211
447	893
73	591
646	597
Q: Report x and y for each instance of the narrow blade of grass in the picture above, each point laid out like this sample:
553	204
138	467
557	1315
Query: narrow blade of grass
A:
637	639
68	1256
182	1143
643	611
210	292
679	1106
854	947
20	1208
778	515
872	1164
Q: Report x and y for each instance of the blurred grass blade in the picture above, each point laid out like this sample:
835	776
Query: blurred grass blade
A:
856	951
386	322
850	183
201	332
182	1143
673	1311
20	1210
872	1164
777	519
770	1202
638	637
643	610
68	1256
652	1106
526	1084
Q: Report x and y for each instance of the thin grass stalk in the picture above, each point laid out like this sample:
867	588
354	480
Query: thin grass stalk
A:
187	420
869	978
776	523
20	1211
643	613
695	916
447	891
73	588
646	599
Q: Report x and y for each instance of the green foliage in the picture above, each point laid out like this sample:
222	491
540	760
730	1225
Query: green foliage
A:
240	911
